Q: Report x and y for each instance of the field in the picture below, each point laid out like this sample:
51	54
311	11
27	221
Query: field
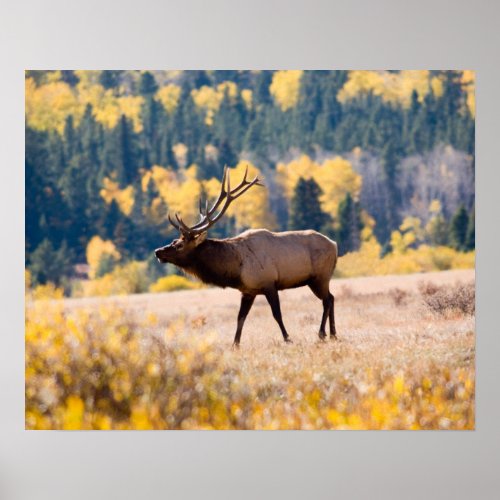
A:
404	359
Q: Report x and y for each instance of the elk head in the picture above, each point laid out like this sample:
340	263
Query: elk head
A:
179	251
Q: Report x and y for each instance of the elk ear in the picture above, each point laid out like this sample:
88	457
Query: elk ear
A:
200	239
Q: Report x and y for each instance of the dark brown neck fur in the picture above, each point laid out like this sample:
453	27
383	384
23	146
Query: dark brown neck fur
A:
216	262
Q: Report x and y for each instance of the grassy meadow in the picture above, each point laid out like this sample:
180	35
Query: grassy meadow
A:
404	359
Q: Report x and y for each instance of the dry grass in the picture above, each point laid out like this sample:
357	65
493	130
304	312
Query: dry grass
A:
166	362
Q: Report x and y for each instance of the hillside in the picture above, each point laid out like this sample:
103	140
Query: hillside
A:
357	155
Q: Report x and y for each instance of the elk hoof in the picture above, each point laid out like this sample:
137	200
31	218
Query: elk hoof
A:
333	336
235	346
322	336
288	340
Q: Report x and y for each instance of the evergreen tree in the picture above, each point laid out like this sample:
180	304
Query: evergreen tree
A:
226	155
349	225
261	94
50	265
121	153
458	229
110	79
112	217
147	84
470	241
305	209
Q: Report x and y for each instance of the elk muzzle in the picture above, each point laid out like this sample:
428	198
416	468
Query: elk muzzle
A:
163	254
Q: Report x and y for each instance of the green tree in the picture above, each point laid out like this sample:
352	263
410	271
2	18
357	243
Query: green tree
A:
147	84
110	79
458	229
349	222
50	265
121	152
305	209
470	242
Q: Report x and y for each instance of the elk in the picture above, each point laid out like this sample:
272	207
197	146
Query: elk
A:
256	262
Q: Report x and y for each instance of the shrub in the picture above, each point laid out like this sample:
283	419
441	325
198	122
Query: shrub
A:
367	261
48	291
123	280
173	282
103	371
460	297
399	296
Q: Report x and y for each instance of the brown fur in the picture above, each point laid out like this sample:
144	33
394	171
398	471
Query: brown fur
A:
261	262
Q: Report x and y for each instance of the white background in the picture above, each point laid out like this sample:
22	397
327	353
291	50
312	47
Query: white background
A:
270	34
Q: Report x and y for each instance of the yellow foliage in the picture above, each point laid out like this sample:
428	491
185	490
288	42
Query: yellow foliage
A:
435	207
98	248
285	88
123	197
47	292
469	83
107	370
335	176
252	209
409	232
180	190
48	106
210	98
108	107
27	280
123	280
367	261
169	96
172	283
437	86
392	87
247	96
180	151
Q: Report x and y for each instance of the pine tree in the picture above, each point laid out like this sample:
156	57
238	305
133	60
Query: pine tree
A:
349	222
111	219
227	156
147	84
262	96
305	209
470	241
50	265
121	152
458	229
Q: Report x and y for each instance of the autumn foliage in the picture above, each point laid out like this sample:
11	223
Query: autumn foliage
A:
106	367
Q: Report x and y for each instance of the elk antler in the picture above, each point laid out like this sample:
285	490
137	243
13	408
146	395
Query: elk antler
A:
227	195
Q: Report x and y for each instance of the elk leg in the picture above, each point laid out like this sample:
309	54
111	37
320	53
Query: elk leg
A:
326	311
274	301
326	297
333	331
245	306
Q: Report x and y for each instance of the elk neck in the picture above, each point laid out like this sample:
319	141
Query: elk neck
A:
216	262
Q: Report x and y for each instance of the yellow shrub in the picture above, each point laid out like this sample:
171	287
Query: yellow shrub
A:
123	280
47	292
106	370
367	261
173	282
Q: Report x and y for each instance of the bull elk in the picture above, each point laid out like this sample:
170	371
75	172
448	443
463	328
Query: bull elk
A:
257	262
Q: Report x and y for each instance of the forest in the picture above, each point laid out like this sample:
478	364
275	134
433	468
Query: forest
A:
381	161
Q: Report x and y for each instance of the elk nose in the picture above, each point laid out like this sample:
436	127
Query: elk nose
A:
157	252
